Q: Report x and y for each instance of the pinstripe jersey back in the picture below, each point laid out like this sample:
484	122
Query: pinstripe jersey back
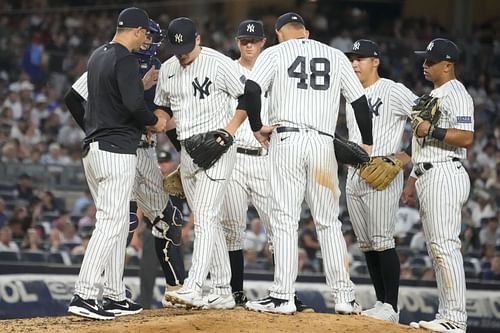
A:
201	94
244	136
457	111
391	105
80	86
304	79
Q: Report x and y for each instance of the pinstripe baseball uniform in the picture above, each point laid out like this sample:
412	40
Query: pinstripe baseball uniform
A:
201	97
443	187
304	79
372	212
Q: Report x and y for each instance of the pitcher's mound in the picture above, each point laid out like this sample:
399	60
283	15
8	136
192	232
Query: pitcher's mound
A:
228	321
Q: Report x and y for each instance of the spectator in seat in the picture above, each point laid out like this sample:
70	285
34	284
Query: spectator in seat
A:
6	242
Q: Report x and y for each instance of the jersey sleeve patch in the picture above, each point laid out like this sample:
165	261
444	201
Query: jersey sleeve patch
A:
464	119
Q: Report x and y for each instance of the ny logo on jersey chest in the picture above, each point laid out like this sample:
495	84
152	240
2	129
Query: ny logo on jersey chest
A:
375	105
201	89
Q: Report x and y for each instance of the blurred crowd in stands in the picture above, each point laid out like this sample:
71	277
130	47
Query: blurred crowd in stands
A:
43	52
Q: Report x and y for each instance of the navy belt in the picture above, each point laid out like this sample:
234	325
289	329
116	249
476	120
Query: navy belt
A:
250	151
284	129
145	144
423	167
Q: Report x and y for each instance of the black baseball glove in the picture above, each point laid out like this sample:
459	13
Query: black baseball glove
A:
207	148
426	109
348	152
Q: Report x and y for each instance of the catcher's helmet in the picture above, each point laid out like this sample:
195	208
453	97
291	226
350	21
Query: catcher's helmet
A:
157	35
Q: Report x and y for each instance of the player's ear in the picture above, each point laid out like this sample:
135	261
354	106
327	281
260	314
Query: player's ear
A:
307	33
198	40
376	62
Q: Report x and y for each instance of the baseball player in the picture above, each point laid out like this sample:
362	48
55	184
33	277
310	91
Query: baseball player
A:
199	85
115	118
442	183
372	212
304	79
148	191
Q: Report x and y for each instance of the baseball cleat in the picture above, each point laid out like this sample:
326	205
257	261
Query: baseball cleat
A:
271	304
369	312
121	308
348	308
214	301
185	296
414	325
301	307
383	311
441	325
88	308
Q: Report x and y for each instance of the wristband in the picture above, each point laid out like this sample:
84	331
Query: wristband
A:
437	133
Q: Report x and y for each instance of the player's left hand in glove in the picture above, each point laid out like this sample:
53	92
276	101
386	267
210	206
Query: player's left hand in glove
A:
381	171
207	148
172	184
426	109
348	152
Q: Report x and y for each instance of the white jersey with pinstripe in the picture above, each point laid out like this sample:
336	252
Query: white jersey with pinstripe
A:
304	80
442	191
248	182
148	185
201	97
373	213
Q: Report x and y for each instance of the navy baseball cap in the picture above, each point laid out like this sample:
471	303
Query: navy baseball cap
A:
133	17
364	48
251	29
440	49
288	18
181	35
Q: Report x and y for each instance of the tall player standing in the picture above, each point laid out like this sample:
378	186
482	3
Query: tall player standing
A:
442	183
372	212
199	85
148	191
115	118
304	79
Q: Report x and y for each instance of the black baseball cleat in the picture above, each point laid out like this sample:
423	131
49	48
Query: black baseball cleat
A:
240	299
121	308
88	308
301	307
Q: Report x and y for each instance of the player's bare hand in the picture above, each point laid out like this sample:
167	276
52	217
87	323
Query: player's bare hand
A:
264	134
367	148
150	78
409	194
161	124
423	129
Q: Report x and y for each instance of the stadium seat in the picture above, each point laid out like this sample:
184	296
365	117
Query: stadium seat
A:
62	258
77	259
9	256
33	256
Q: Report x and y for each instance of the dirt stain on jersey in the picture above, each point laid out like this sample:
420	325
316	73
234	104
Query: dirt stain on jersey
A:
325	178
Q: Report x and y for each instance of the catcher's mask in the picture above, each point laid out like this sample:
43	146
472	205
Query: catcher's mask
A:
156	36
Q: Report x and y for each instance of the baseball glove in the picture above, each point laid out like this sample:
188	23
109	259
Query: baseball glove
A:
426	109
207	148
348	152
381	171
172	184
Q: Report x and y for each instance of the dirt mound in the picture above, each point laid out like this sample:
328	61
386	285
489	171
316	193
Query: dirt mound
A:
183	321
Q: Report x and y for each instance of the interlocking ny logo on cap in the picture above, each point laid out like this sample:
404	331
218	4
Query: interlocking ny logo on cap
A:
250	28
295	18
178	38
355	47
430	46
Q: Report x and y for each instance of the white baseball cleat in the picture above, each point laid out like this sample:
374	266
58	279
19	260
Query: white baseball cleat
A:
368	312
273	305
441	325
383	311
414	325
214	301
348	308
166	303
188	297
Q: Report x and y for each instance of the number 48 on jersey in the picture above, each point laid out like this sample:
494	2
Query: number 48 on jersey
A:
319	79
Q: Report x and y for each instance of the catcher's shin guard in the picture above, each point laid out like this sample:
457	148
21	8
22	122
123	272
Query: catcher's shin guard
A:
171	261
169	224
134	222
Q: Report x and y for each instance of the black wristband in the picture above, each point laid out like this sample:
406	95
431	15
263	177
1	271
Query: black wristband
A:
437	133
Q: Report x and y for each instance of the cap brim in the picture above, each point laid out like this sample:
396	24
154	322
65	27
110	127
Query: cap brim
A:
180	49
348	54
427	55
249	37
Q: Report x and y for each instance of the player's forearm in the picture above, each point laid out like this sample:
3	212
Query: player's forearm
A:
364	119
252	104
451	136
238	119
403	157
74	102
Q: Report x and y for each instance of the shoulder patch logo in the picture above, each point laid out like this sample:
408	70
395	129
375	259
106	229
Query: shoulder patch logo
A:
464	119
